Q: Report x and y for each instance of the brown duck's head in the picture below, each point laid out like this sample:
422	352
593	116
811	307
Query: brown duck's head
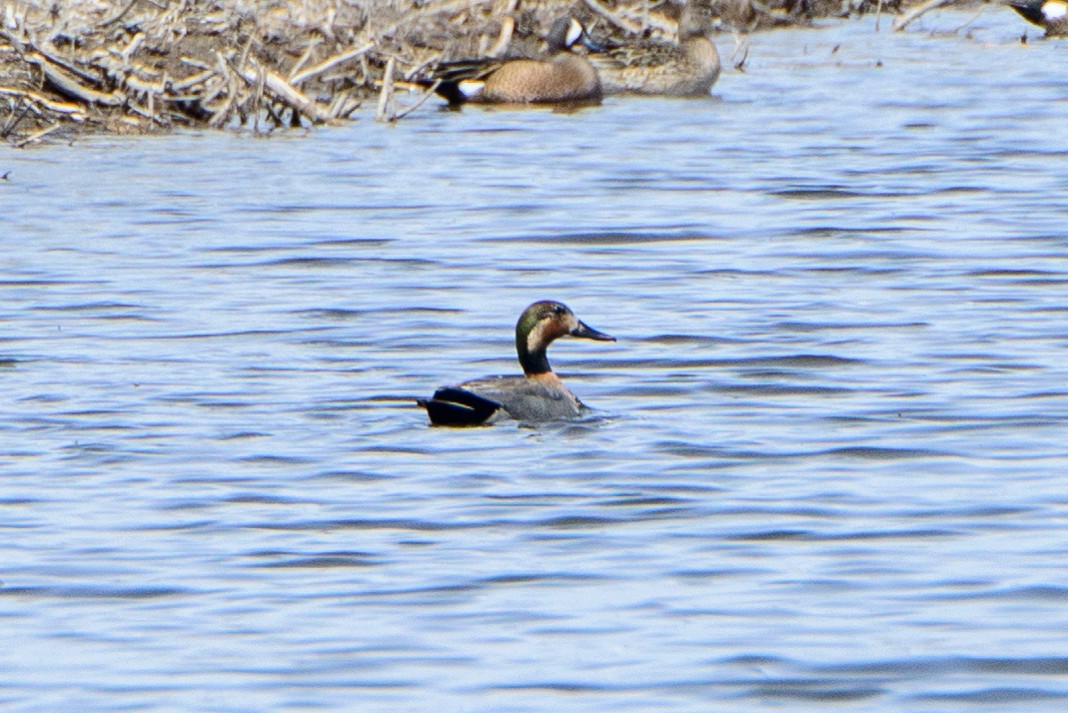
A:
540	324
566	32
697	20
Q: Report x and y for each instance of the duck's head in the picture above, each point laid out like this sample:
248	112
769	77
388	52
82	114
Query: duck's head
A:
567	32
696	20
540	324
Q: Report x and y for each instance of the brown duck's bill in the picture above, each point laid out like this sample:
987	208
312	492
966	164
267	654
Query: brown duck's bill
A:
587	332
589	43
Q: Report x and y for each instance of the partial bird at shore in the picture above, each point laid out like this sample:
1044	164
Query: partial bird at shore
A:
1051	15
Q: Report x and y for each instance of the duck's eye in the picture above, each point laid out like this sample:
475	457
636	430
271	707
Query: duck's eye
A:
560	309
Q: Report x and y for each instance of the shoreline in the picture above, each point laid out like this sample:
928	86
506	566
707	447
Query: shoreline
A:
138	67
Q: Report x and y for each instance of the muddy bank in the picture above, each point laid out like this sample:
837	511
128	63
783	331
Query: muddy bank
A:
152	65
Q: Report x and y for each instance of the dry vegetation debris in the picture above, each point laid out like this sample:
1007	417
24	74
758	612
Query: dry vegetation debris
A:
148	65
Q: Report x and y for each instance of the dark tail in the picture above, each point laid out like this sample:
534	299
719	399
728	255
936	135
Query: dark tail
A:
451	406
450	91
448	75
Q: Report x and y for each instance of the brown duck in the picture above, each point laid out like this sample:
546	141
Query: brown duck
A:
562	76
687	68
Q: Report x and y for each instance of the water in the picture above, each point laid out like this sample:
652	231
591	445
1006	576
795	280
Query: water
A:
826	468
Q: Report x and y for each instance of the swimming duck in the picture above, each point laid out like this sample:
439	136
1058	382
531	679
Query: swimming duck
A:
1049	14
687	68
563	76
538	395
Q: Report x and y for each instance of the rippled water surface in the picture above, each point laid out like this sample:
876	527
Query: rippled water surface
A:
826	468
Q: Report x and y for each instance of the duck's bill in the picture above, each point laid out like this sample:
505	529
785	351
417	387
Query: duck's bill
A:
587	332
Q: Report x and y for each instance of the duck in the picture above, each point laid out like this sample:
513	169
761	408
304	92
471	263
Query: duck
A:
687	68
539	395
1052	15
563	76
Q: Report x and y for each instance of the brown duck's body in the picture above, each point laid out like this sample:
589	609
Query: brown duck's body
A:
538	395
688	68
561	77
565	77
